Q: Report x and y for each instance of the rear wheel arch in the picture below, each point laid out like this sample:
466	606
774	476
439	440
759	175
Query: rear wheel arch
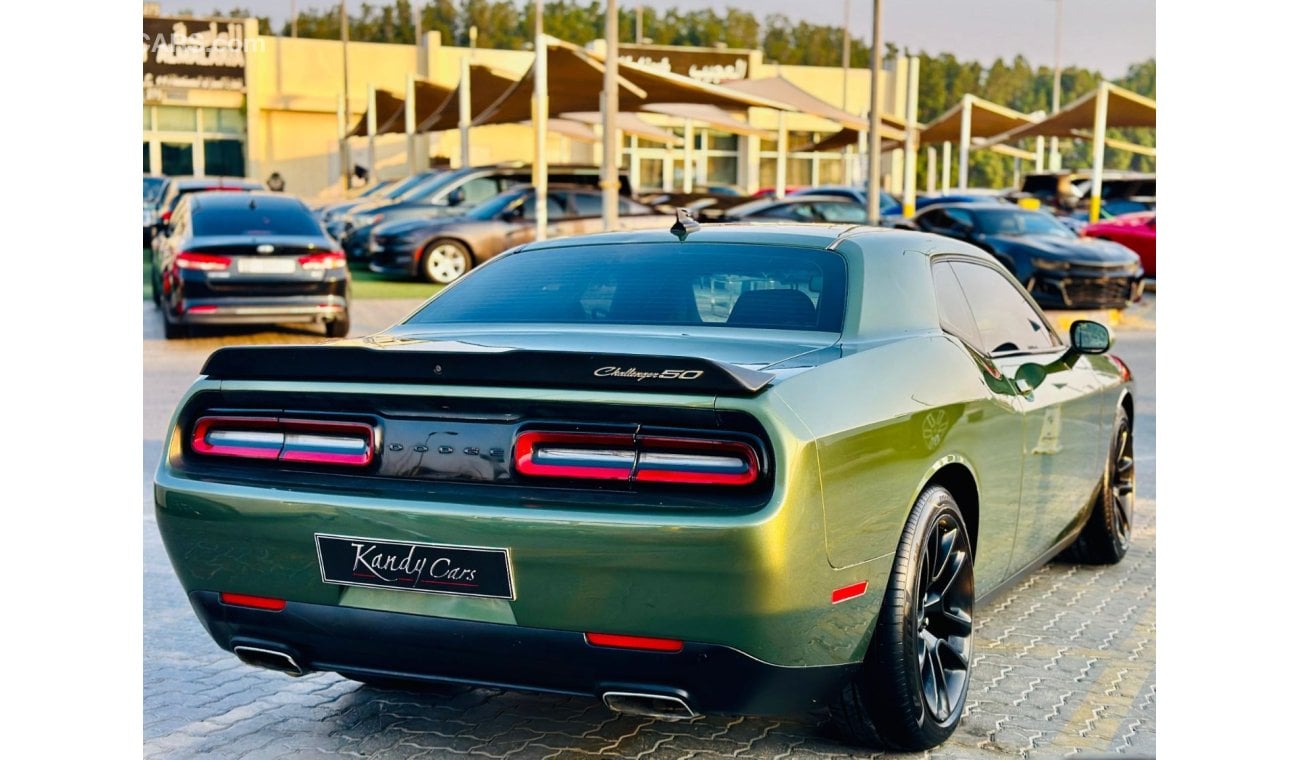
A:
1126	403
958	479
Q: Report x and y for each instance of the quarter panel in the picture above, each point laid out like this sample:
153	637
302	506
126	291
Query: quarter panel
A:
884	419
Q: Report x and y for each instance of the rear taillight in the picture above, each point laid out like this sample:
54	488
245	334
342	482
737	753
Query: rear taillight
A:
643	459
285	440
330	260
204	262
166	216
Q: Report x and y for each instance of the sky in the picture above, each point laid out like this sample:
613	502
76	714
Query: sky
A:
1107	35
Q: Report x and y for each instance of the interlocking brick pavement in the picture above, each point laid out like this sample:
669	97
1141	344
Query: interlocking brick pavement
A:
1064	662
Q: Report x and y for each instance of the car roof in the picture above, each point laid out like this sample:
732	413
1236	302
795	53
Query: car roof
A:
189	183
260	199
981	205
793	235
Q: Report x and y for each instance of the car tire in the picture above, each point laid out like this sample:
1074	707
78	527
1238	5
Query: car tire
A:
173	331
445	261
911	690
1105	537
338	327
155	285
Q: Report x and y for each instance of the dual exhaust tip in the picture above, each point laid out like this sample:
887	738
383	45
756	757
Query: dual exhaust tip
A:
659	706
269	659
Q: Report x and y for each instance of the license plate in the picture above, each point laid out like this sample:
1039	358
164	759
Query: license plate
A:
428	568
268	266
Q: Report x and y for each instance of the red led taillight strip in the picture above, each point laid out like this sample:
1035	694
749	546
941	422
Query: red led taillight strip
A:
646	459
285	440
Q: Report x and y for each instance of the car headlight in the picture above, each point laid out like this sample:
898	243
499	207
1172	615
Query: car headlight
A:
1051	265
366	220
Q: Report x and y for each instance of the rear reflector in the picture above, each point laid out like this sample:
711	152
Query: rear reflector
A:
201	309
633	642
257	602
624	456
848	592
285	440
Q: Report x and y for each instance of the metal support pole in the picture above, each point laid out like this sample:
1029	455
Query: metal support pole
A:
464	106
634	164
844	68
639	30
909	149
688	161
343	140
609	137
412	166
1098	148
782	154
1038	153
963	147
541	112
931	160
947	165
347	101
862	153
1055	162
372	126
873	179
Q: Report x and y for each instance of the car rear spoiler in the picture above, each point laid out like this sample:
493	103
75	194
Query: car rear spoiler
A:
515	367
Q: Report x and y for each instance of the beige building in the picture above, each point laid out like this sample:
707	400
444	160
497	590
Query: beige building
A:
286	116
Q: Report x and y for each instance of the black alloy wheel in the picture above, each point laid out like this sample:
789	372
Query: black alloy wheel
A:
1105	537
912	688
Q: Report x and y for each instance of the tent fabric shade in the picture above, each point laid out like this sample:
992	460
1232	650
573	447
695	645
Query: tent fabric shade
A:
710	116
629	124
576	81
389	110
782	90
574	130
986	120
1124	108
486	85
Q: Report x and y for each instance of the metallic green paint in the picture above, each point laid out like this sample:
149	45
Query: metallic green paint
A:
856	433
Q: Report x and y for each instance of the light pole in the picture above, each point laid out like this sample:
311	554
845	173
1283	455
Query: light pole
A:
541	112
345	155
1054	161
609	132
873	162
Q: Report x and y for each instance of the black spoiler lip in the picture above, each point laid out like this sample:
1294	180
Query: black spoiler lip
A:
509	368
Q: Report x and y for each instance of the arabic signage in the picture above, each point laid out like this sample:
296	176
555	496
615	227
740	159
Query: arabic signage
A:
194	54
702	64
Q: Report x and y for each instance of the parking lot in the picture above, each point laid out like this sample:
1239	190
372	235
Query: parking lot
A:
1064	663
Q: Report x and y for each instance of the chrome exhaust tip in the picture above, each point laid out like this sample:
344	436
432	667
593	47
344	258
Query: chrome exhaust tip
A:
661	706
269	659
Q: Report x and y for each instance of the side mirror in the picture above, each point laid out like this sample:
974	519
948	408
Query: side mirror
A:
1087	337
456	197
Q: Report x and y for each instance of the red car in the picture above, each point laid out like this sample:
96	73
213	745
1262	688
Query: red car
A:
1136	231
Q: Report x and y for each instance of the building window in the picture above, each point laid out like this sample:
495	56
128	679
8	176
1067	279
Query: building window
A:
223	121
175	119
223	158
802	168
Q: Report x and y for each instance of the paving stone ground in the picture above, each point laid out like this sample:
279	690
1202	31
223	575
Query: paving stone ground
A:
1065	662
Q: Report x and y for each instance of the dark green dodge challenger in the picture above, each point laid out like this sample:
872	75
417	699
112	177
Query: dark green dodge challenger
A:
753	469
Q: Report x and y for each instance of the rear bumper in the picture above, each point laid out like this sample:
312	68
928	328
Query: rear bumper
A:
227	311
709	678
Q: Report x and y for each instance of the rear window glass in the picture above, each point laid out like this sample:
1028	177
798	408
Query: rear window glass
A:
263	220
652	284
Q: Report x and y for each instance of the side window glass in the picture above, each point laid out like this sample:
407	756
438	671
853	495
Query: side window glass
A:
587	204
1006	321
954	312
961	218
843	212
554	207
479	190
933	220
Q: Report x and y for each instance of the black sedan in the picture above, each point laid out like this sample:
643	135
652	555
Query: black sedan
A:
1058	268
241	258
